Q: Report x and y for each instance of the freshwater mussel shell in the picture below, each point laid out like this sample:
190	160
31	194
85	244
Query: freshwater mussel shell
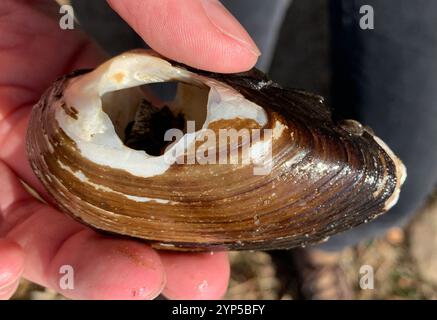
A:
326	177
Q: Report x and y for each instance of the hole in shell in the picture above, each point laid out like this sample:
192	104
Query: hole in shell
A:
142	115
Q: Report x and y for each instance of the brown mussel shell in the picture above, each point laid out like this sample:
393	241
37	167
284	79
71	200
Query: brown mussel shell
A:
325	177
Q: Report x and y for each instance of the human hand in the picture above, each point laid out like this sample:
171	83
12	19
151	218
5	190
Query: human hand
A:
36	239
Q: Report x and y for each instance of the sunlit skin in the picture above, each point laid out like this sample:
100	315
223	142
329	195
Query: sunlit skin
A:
36	239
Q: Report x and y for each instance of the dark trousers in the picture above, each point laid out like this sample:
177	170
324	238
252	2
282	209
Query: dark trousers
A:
387	78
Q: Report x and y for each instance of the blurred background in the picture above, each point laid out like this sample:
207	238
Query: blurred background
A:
404	259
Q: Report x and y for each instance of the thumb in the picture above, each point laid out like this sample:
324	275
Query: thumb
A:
11	267
199	33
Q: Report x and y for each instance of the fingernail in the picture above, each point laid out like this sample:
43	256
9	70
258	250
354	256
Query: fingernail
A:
227	24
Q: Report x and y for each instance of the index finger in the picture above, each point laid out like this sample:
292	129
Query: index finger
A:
199	33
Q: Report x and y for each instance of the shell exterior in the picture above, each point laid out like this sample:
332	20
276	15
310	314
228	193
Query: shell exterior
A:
325	177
